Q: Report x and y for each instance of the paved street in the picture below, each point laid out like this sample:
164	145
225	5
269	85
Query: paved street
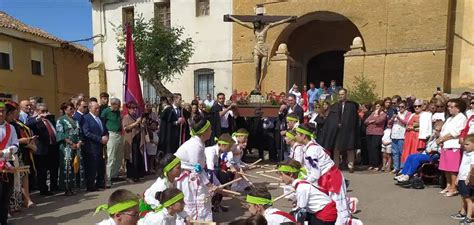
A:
381	203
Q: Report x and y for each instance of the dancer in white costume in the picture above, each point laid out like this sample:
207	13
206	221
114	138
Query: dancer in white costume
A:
122	208
193	181
171	204
234	159
323	172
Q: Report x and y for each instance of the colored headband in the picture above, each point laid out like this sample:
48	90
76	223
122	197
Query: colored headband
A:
258	201
119	207
202	130
2	104
222	142
171	165
172	201
235	134
305	132
290	135
294	119
288	169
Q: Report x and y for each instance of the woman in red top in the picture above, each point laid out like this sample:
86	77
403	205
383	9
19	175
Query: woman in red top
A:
374	132
412	142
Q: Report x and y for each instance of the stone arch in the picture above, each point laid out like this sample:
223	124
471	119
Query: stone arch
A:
319	34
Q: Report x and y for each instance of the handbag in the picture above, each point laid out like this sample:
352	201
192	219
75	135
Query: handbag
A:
76	163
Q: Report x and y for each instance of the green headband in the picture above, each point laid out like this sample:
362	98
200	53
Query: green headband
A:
171	165
222	142
290	135
2	104
170	202
258	201
288	169
119	207
202	130
294	119
235	134
305	132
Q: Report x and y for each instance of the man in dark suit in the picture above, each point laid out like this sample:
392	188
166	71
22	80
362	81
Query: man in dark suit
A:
81	110
95	138
47	153
341	131
293	107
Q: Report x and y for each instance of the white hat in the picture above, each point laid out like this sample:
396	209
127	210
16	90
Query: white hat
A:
418	102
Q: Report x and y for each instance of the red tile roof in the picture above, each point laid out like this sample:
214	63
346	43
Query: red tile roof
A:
8	21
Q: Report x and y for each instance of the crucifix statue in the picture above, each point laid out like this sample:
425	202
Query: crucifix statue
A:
260	25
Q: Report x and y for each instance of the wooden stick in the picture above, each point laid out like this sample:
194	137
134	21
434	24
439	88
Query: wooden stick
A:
276	184
202	222
275	178
255	163
282	196
248	175
230	182
230	192
247	179
267	171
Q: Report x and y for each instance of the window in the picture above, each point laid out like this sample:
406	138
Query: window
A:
149	92
202	8
6	60
203	82
127	16
36	62
162	13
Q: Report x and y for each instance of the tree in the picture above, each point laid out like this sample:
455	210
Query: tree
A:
162	53
362	90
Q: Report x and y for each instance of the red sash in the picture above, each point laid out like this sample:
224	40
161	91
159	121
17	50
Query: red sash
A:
328	213
331	180
5	140
183	175
286	215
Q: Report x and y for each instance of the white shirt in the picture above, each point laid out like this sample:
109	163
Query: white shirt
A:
296	93
274	219
297	152
159	218
438	116
234	156
469	113
454	126
209	103
191	153
212	154
465	167
12	142
317	161
225	119
160	185
398	129
309	197
426	126
386	137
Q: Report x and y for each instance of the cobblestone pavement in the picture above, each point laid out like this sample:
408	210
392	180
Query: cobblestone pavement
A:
380	203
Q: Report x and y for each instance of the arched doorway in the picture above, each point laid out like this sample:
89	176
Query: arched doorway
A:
317	42
325	67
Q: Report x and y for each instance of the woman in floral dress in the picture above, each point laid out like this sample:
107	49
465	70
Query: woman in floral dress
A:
67	134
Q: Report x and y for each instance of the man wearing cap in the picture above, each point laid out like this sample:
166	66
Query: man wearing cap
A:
8	147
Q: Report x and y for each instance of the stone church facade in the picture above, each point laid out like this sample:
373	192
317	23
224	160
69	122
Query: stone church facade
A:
405	47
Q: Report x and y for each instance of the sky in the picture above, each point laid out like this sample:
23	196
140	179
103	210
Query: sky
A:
66	19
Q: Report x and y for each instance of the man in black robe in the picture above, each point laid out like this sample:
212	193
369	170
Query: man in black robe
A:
341	130
170	125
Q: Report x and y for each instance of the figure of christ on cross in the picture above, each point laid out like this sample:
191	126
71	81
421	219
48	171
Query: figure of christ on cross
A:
260	25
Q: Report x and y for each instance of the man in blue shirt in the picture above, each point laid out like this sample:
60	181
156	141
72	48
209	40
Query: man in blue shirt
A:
312	96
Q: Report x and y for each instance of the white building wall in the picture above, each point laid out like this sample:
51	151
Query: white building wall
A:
212	42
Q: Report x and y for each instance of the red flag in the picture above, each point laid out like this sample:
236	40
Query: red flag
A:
133	89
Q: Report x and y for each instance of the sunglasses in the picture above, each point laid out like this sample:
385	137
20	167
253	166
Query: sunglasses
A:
402	106
440	106
44	111
417	106
472	103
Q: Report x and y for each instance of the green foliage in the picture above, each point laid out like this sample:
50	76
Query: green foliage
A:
162	53
362	90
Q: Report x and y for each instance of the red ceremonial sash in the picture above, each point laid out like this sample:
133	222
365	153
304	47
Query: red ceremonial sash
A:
4	142
328	213
286	215
331	180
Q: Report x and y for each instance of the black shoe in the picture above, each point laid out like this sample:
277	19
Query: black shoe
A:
91	189
46	193
117	179
68	193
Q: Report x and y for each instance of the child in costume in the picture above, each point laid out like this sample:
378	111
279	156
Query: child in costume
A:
169	169
216	167
296	149
171	203
260	202
233	159
313	203
323	172
193	181
122	208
